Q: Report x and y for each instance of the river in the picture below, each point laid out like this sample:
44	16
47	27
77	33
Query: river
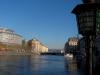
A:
36	65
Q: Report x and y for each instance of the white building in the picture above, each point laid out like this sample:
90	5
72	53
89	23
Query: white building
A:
8	36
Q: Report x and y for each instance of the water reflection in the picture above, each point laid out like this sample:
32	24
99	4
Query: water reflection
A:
72	67
14	65
37	65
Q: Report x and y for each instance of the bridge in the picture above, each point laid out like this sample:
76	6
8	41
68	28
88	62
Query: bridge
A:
53	52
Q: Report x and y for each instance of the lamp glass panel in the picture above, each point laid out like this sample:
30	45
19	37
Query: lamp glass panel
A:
98	21
86	21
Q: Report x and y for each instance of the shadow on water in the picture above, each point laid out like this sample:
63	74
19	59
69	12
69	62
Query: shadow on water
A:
72	67
37	65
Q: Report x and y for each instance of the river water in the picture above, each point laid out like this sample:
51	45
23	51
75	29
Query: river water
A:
37	65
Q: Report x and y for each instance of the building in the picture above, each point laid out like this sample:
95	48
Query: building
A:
37	47
71	45
8	36
43	49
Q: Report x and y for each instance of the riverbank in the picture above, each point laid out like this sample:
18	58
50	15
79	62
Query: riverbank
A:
16	53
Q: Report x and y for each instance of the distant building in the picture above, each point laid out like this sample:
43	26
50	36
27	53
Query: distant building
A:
71	45
8	36
37	47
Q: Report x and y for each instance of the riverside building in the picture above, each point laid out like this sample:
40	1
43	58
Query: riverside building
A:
71	45
37	47
8	36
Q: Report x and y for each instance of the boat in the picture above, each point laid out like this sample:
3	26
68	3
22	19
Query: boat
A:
68	56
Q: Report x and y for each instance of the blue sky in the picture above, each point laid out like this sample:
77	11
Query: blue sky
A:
50	21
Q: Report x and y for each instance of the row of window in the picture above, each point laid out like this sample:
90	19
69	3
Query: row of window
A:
10	38
73	43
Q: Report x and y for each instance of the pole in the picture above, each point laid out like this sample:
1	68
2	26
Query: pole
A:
91	55
89	49
92	50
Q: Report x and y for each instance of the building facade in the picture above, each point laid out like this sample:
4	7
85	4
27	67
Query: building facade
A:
71	45
8	36
37	47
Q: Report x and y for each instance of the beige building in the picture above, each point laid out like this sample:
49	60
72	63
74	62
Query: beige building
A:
73	41
37	47
71	45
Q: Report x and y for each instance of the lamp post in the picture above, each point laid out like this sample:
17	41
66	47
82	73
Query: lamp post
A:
91	1
88	22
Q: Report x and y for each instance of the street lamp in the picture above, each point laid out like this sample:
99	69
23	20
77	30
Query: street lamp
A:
88	18
91	1
88	21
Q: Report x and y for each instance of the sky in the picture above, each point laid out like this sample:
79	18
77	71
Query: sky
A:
50	21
